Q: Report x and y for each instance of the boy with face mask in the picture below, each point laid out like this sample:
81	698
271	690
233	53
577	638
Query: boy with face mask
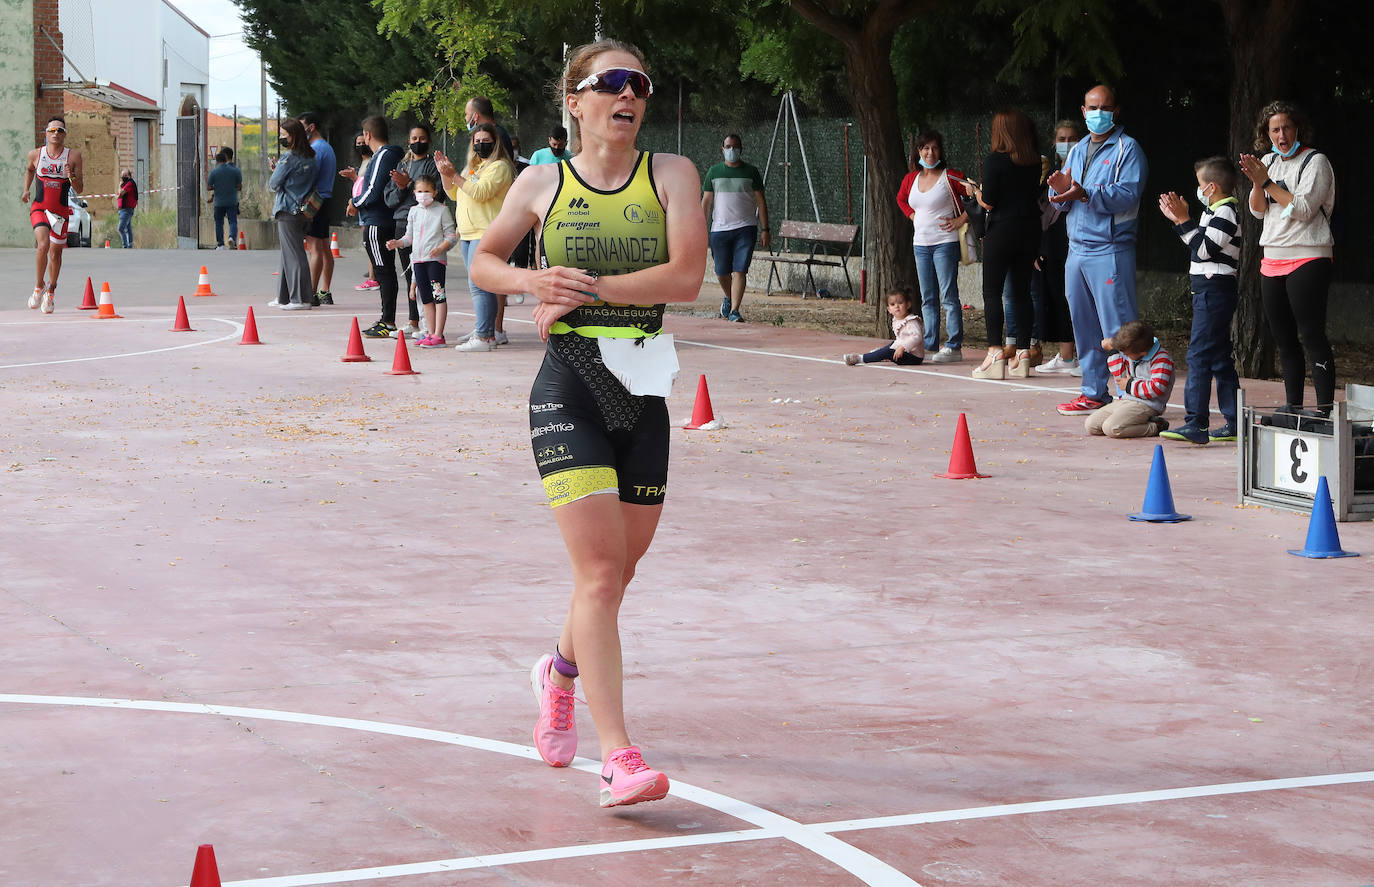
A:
1214	246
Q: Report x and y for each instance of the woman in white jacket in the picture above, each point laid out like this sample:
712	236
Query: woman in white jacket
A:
908	335
1294	193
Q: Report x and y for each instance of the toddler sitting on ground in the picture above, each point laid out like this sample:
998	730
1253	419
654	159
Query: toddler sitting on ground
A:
1144	375
908	344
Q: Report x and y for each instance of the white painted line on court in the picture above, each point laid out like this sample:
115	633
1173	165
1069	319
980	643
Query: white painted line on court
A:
237	330
462	863
1118	800
869	869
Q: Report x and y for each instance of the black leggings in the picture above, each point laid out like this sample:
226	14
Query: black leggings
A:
383	266
1295	306
1010	247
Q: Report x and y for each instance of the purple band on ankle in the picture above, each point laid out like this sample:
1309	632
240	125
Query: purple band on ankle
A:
562	666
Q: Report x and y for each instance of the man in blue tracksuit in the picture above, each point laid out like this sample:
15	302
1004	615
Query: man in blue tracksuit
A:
1100	188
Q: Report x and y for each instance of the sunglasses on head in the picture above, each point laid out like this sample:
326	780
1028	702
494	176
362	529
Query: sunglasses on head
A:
613	81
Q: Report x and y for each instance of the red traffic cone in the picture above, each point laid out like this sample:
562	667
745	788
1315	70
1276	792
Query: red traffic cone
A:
206	873
702	417
107	244
88	300
203	284
400	363
106	305
356	354
961	465
243	244
183	323
334	245
250	330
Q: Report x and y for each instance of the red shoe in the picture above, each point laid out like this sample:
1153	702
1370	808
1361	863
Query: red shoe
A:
1081	405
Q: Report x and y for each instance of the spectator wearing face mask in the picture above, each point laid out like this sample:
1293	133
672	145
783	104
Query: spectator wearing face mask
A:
356	177
737	209
557	149
400	197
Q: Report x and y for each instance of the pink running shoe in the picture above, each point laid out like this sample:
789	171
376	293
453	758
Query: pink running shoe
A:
368	284
555	733
626	779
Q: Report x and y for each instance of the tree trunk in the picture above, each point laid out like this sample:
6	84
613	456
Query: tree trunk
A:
1259	36
873	92
866	36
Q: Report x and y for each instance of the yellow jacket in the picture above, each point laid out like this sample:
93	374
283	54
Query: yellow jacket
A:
477	202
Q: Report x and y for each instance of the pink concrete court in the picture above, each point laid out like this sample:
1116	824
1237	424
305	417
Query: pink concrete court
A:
259	598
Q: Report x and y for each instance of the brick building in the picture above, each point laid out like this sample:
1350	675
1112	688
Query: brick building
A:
115	128
47	66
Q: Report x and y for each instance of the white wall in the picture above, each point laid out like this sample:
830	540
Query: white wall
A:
132	40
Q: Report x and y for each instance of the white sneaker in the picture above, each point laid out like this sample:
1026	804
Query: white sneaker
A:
297	306
947	355
1076	369
46	305
36	298
502	338
1055	364
411	331
476	343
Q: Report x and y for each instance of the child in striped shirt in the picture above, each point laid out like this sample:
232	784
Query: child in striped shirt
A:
1144	374
1214	247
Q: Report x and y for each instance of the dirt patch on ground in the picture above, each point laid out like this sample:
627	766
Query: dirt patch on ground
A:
848	317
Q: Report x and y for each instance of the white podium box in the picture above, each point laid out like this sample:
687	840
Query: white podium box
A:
1283	454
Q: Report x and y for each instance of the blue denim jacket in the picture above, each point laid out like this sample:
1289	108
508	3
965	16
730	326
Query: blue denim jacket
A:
292	180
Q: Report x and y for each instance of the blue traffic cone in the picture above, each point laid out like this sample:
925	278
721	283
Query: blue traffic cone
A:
1159	498
1322	540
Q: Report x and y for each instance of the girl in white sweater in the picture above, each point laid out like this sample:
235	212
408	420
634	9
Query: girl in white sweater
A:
430	234
908	343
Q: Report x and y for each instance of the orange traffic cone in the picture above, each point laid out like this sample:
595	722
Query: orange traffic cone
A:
88	299
334	245
961	464
205	873
355	354
107	244
183	323
243	244
106	305
250	330
400	363
703	418
203	285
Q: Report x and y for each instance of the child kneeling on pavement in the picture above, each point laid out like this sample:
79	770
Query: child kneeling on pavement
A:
1144	375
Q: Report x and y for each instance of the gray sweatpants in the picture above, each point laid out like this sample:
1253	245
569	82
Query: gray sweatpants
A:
293	280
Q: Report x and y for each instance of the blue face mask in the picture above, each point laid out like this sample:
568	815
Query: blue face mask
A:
925	165
1202	198
1099	121
731	155
1291	151
1062	149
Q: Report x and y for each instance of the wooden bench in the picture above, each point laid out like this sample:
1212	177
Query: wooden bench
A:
821	237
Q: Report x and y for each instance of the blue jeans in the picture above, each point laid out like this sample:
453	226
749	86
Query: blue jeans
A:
734	249
1209	350
232	212
878	355
483	302
126	228
937	271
